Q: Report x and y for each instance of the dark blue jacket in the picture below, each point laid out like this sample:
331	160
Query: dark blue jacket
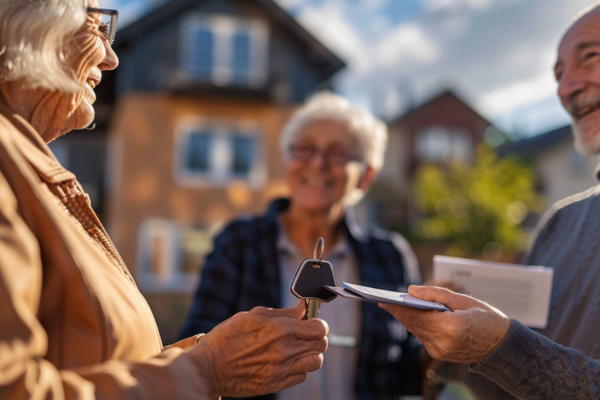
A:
242	272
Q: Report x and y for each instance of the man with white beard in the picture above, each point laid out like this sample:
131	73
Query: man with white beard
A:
563	360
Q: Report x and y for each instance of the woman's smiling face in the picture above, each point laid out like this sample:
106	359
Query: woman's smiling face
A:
323	166
89	53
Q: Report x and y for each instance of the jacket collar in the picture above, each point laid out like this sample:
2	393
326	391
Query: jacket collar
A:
349	222
33	148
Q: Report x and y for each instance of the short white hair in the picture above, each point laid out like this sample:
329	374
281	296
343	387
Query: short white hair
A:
582	14
371	133
33	39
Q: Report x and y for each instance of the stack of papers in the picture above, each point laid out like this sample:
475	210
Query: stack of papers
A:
521	292
364	293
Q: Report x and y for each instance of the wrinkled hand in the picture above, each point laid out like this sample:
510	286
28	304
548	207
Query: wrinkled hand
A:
261	351
464	335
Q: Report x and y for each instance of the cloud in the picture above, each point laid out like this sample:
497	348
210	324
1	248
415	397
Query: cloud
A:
328	23
369	6
518	94
439	5
406	42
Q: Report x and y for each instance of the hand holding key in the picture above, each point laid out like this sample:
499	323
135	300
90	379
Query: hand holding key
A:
308	282
261	351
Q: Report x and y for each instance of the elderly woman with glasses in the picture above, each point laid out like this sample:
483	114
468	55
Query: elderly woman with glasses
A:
333	151
72	323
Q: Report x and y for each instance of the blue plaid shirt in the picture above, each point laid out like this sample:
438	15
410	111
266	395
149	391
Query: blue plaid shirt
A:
242	272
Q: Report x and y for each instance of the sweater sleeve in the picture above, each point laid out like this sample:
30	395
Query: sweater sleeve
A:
531	367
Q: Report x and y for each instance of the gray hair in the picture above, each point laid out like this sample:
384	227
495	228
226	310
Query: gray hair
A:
371	133
33	39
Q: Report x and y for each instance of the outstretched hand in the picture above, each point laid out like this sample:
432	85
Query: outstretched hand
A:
464	335
261	351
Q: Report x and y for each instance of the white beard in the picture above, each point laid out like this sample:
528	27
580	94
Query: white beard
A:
588	147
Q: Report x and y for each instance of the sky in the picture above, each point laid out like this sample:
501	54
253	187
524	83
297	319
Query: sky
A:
495	54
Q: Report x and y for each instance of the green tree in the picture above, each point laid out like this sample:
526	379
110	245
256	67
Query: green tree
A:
478	209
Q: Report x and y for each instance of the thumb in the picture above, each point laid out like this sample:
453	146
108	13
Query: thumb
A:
450	299
296	312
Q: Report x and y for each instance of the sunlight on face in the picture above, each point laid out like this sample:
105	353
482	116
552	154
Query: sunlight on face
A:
89	54
578	74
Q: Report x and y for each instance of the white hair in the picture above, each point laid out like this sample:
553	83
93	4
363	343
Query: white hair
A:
582	14
33	41
371	133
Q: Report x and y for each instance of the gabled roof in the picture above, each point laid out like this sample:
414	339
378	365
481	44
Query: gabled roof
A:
536	143
174	8
443	96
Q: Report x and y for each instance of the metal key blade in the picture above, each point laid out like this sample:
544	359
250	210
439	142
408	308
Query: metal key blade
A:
312	308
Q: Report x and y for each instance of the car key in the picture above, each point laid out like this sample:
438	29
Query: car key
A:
310	277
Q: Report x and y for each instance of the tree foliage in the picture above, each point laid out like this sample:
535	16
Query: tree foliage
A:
479	209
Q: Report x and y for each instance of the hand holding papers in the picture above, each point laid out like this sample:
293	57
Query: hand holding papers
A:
464	335
521	292
364	293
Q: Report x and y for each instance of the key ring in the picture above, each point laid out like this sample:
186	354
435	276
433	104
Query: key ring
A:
320	243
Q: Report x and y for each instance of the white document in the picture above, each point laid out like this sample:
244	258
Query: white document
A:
521	292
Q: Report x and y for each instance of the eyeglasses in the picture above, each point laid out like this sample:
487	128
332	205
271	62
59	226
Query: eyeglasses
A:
109	22
333	155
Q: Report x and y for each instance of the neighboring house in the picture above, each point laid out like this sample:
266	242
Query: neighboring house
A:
441	130
560	170
193	116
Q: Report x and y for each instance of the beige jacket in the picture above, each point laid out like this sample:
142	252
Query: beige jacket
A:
73	324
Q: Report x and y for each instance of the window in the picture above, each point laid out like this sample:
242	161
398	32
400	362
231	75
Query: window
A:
243	155
170	256
240	63
209	152
200	58
198	152
444	144
224	50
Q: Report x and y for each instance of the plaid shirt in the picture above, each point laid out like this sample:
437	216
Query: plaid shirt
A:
242	272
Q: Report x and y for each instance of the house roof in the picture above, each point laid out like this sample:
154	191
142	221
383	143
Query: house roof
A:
536	143
174	8
443	96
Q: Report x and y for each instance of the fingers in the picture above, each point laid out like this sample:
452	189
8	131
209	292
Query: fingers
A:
305	364
296	312
455	287
408	317
303	348
312	329
288	381
452	300
295	371
421	323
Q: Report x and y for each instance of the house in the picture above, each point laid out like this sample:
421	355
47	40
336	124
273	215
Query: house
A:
560	170
440	130
189	127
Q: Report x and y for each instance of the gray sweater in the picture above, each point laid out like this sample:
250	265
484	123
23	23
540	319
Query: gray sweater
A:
532	365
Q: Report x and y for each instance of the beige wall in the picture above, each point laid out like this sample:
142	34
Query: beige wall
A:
394	170
563	172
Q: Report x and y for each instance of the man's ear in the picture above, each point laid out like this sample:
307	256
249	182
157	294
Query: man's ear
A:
367	179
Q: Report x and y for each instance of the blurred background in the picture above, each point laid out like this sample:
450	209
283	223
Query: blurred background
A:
188	127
